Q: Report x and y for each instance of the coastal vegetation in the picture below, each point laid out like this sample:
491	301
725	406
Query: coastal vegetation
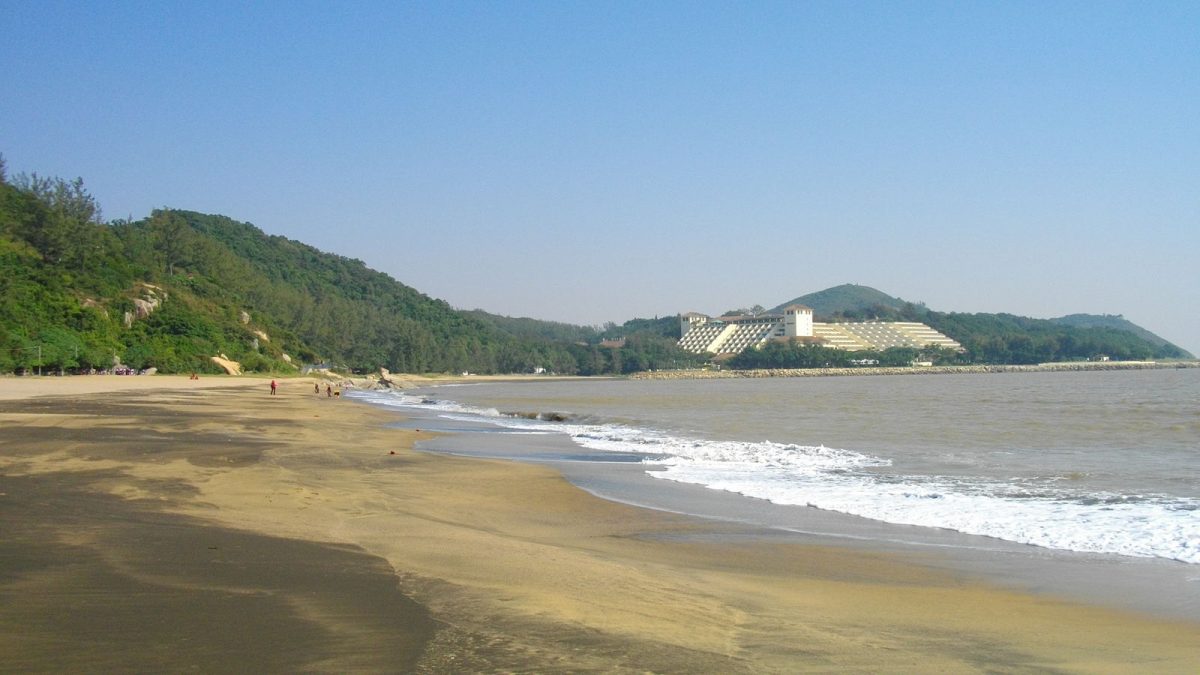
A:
173	290
780	355
997	338
178	288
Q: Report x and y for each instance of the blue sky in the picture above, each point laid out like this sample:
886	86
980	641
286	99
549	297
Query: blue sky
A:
599	161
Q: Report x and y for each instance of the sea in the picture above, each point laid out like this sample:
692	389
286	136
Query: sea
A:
1042	478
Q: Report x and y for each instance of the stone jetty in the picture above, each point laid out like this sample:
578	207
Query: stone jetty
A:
912	370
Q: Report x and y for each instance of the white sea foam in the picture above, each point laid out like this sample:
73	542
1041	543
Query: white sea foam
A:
1047	512
1148	527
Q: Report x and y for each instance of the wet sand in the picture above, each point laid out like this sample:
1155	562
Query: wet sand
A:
224	529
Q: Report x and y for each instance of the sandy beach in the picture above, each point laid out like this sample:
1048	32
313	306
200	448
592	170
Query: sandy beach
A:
164	524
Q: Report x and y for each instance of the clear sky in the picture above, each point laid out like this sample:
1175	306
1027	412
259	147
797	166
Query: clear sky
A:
600	161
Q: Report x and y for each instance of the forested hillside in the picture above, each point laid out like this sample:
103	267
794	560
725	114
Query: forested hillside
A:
998	338
1005	338
1115	322
849	302
177	288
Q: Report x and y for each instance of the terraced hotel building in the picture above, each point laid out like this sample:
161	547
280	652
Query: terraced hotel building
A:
734	334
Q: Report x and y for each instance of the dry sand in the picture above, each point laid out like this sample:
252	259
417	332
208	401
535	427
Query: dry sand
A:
184	527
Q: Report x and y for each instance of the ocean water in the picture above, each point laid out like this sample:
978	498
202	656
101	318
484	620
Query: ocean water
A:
1097	462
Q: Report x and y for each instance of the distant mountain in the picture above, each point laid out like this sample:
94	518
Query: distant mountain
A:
1007	338
1113	321
525	327
997	338
850	301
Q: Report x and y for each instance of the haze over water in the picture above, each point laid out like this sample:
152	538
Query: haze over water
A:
1104	462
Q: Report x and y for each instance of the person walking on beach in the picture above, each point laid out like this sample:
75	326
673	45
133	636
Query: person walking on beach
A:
316	388
328	391
272	387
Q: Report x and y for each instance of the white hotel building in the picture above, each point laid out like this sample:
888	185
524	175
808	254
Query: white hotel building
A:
734	334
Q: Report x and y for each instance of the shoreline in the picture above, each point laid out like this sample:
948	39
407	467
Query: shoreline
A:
14	386
1155	585
194	507
914	370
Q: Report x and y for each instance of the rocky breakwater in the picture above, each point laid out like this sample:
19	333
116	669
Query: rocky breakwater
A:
910	370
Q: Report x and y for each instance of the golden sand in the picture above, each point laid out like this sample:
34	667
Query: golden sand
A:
510	567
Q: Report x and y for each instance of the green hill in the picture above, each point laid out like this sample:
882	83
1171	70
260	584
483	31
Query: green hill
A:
851	302
998	338
526	327
1006	338
175	289
1115	322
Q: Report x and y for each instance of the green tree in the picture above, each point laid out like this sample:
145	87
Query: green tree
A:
171	236
64	229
